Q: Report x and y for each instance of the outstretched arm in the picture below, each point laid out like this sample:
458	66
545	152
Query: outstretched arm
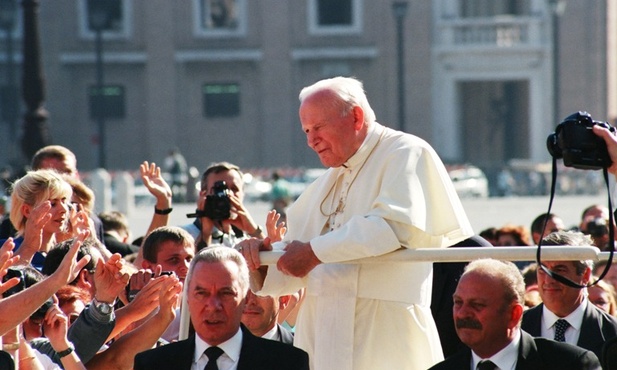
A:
120	355
29	300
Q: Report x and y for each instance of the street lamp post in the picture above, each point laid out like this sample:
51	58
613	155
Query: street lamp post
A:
557	8
99	18
35	128
399	9
8	17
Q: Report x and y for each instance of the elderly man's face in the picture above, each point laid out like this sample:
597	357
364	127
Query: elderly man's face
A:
559	298
216	301
481	316
334	138
260	314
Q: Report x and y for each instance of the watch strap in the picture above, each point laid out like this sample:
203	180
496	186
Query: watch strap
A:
66	352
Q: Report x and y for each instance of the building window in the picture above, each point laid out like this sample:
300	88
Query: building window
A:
110	104
111	16
220	17
334	17
221	100
491	8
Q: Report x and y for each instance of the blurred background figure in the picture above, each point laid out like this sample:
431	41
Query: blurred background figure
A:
594	222
280	193
602	295
554	223
514	235
175	165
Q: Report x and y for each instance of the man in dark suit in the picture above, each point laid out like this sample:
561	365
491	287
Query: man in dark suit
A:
488	307
218	282
445	279
261	315
587	326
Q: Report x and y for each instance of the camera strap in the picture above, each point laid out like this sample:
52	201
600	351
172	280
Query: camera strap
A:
611	232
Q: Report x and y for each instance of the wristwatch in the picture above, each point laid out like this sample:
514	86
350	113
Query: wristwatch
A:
67	351
103	307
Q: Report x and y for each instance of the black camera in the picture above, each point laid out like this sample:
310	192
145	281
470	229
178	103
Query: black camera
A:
11	273
575	142
218	206
597	227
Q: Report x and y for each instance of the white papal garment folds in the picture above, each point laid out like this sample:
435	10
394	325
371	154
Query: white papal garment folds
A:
394	192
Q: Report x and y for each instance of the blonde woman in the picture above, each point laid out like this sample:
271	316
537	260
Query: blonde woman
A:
40	204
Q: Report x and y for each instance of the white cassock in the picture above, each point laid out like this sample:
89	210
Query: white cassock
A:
393	192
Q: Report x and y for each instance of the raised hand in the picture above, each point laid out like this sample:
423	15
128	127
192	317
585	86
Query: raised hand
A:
69	268
7	260
275	230
156	184
110	278
55	327
38	217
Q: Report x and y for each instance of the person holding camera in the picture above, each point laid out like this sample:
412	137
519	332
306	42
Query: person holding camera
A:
221	216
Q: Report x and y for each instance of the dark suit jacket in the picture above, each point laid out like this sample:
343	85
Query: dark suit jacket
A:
445	280
255	354
534	354
286	335
597	327
116	246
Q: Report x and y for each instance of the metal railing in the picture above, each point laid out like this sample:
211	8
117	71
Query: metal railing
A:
459	254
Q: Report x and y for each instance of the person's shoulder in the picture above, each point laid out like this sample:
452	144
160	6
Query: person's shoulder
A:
561	355
276	346
163	352
600	315
456	361
274	352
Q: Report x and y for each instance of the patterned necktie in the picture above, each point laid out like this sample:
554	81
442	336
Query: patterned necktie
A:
486	365
213	353
560	330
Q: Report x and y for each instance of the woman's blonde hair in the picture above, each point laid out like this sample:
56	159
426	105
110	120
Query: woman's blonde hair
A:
33	189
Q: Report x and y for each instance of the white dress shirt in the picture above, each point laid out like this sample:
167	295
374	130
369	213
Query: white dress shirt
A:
504	359
575	319
228	360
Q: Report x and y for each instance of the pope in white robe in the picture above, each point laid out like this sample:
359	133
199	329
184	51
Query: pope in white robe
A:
392	192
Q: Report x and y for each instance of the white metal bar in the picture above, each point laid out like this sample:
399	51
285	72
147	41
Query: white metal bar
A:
462	254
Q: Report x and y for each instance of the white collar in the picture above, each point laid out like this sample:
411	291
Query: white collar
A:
504	359
231	347
272	334
575	318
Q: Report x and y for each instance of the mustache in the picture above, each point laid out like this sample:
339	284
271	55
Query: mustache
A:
468	324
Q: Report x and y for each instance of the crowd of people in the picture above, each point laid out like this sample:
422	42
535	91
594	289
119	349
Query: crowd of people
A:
79	291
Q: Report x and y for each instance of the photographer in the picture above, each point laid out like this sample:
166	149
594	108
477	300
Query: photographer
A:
221	216
611	145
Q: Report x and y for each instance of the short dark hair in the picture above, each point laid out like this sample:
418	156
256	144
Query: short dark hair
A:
537	225
218	168
573	238
158	236
114	221
51	151
56	255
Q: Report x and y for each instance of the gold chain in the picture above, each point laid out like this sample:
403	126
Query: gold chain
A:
341	205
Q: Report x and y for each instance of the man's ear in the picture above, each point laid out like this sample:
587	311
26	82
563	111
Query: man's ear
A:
284	301
83	281
516	315
586	276
358	115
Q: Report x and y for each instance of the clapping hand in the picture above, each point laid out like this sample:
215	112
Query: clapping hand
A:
7	260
